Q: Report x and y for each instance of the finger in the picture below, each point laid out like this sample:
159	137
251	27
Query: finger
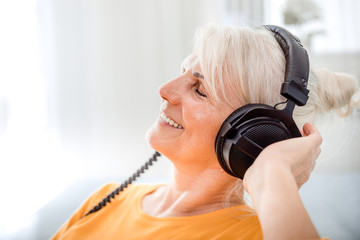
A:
313	163
315	157
301	179
308	129
311	131
317	152
302	132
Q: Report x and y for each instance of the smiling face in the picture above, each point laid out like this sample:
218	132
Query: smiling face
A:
189	119
230	67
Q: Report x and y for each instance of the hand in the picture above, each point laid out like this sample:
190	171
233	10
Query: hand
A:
298	155
273	182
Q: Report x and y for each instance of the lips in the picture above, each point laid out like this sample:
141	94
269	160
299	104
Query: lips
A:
170	121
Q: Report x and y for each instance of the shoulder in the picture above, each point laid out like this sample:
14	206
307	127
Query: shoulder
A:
129	193
132	192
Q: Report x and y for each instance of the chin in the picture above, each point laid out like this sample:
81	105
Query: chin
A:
153	138
149	135
157	142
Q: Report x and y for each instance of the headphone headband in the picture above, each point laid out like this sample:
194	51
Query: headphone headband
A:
297	66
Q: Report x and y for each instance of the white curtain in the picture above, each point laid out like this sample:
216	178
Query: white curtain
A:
78	89
27	146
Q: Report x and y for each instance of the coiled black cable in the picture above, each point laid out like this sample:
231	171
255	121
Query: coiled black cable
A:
129	181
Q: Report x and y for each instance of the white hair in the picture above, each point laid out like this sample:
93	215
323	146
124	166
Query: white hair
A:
246	65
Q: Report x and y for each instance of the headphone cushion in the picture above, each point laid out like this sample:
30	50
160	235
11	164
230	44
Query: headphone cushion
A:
238	147
219	143
244	109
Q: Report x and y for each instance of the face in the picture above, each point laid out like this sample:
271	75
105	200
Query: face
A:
188	122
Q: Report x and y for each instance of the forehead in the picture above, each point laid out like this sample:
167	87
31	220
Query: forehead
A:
191	62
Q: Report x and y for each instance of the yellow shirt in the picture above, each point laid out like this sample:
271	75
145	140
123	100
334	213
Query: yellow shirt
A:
123	218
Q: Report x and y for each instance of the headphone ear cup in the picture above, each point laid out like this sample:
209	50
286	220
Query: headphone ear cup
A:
246	132
220	138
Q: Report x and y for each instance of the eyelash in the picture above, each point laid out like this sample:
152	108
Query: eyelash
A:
199	93
197	89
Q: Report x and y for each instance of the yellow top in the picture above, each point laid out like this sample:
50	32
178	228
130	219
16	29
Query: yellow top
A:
123	218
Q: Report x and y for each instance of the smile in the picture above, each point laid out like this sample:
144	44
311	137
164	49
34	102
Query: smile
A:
170	121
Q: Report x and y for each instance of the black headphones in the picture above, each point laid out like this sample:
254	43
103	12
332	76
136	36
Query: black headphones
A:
251	128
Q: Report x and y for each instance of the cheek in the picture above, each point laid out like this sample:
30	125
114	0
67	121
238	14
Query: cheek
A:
204	124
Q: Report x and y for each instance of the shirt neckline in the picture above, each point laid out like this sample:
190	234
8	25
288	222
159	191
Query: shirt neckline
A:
208	215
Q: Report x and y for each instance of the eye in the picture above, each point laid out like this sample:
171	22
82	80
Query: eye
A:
200	93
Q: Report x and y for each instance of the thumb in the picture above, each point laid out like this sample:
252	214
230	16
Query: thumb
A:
310	130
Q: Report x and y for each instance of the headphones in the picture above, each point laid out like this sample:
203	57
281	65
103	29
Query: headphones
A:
252	127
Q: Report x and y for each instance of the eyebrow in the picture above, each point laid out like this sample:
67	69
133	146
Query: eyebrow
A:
198	75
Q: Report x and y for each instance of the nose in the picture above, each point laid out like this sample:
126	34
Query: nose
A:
171	91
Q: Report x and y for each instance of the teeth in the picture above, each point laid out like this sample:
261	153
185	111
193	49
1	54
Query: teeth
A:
170	121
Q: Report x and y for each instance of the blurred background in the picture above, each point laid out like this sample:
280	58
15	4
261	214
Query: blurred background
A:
78	90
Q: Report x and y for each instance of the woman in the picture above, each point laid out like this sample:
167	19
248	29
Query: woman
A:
230	67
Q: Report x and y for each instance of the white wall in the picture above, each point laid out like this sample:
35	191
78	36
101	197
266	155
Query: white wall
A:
111	58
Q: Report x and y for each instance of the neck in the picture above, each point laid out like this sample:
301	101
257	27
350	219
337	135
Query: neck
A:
190	194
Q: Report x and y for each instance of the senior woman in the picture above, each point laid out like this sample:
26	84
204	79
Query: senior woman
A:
229	68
